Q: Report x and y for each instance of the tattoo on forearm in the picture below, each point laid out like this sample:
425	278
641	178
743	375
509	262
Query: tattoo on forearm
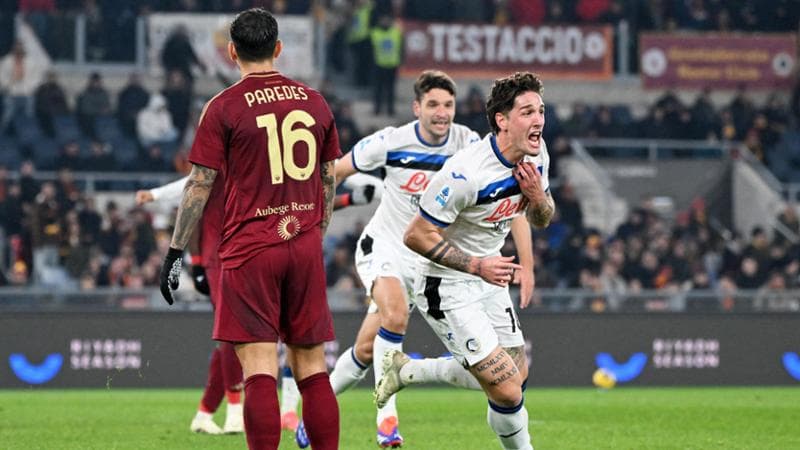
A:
448	255
540	214
195	195
328	191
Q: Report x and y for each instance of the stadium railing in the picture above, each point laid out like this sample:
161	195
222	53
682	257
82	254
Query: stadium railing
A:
546	301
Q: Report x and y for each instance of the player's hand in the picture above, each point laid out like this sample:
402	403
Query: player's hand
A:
362	195
200	279
526	281
170	273
530	182
143	196
497	270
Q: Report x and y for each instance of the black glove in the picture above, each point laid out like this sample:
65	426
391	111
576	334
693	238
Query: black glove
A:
200	279
170	272
362	195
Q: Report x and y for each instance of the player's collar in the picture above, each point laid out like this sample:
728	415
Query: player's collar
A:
424	142
266	73
497	152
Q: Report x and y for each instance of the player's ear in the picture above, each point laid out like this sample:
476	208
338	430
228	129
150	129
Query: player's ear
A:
501	120
278	49
232	52
416	107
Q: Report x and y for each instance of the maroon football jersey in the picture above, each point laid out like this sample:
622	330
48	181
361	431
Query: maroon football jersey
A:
211	223
268	134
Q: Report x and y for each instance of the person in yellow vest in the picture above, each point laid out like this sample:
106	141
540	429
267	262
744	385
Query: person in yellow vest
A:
387	50
358	39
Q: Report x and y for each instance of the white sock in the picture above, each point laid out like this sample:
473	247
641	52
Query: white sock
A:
290	395
510	426
441	370
385	341
347	372
204	415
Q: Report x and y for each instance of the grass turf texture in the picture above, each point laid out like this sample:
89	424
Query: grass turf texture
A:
622	418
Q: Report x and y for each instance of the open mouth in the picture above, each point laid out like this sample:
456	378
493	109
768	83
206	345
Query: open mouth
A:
535	138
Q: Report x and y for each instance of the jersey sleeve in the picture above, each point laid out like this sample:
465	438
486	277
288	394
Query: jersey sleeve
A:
330	146
370	152
446	196
208	148
545	169
170	192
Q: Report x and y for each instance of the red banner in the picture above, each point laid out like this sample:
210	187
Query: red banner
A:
722	61
485	50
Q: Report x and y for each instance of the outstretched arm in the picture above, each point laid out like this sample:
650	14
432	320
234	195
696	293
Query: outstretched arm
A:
344	167
427	239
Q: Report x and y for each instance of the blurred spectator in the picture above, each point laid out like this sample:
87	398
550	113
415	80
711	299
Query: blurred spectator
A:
358	39
153	160
37	14
178	96
387	46
29	187
346	125
472	111
154	123
526	12
92	103
178	54
69	156
131	99
19	77
101	158
51	102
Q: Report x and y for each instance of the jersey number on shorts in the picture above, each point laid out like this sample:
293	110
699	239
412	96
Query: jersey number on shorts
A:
289	136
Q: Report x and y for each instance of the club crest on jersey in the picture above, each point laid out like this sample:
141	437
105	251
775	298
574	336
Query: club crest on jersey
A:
288	227
473	345
443	196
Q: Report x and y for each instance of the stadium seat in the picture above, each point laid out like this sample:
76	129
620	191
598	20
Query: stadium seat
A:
66	128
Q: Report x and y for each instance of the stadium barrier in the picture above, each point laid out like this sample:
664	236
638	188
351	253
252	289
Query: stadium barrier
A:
158	349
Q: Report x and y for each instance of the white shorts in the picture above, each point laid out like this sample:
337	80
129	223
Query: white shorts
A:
379	258
470	331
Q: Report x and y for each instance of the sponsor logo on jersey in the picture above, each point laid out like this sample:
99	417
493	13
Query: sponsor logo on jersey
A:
407	159
416	183
505	210
458	176
288	227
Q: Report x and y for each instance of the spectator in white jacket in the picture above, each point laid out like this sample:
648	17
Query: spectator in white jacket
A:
20	75
154	123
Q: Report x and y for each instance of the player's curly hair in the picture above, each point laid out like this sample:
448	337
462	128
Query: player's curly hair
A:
254	33
433	79
506	90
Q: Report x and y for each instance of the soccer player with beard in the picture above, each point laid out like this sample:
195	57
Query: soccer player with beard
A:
410	155
463	219
275	142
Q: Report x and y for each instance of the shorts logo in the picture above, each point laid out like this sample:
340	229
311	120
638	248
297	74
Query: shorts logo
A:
473	345
288	227
443	196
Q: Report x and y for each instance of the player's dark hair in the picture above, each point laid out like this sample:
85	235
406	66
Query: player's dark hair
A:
433	79
254	34
506	90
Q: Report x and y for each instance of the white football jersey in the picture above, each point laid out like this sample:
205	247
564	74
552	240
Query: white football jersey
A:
410	163
474	197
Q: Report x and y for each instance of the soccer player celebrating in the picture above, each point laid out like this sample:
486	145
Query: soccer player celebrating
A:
410	156
275	141
463	219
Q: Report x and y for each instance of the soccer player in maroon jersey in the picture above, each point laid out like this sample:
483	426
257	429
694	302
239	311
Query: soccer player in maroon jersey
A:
275	141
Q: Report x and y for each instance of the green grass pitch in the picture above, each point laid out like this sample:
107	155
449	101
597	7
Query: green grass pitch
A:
431	419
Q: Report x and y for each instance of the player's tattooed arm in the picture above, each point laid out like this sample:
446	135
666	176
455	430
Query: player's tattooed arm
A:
449	255
328	191
195	195
539	214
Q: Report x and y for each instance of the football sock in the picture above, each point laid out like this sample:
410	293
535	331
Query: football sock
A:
348	371
320	411
510	424
214	390
385	341
231	368
443	370
290	396
262	418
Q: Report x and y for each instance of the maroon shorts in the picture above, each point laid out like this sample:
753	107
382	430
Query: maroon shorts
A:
214	278
278	294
